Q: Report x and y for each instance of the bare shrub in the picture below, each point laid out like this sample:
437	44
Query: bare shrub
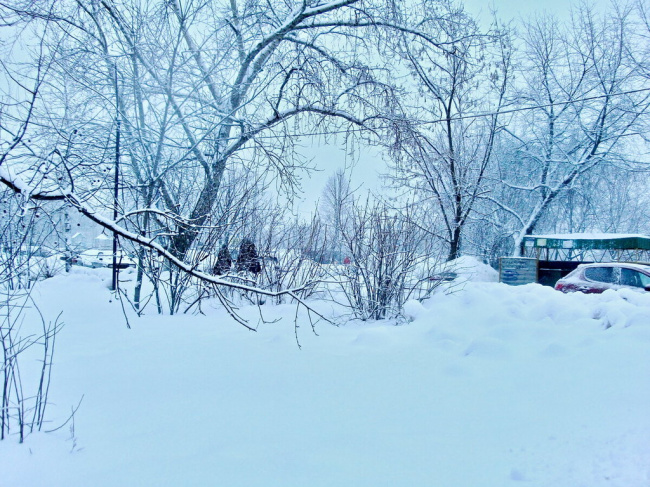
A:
24	394
391	260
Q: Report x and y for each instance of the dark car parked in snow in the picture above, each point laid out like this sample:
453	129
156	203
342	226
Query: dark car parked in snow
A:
597	278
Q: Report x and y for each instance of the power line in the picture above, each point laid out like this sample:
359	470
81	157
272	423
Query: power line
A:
468	116
536	107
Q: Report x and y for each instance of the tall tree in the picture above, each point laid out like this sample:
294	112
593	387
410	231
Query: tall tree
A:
444	154
335	207
199	87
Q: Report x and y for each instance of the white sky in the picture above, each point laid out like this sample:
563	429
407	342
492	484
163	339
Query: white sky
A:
369	163
513	9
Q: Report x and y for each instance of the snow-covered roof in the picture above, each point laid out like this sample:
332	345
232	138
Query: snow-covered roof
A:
589	241
588	236
630	265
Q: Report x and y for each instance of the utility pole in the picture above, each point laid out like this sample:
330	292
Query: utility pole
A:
115	201
115	281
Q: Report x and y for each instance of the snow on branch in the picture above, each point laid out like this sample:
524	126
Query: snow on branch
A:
18	187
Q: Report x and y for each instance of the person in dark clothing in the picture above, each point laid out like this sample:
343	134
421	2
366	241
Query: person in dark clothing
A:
224	261
248	260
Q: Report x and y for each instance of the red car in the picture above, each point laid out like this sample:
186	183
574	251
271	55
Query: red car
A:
596	278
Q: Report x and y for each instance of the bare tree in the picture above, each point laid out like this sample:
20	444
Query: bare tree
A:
444	153
334	209
219	89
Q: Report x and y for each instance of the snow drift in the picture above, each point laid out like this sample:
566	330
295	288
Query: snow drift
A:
490	385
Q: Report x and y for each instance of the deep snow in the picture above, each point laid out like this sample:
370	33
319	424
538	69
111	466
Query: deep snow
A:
489	386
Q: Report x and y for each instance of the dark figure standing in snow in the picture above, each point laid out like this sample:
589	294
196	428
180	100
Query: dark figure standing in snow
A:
224	261
247	260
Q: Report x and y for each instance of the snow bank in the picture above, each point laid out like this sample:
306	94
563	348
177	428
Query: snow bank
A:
469	268
489	386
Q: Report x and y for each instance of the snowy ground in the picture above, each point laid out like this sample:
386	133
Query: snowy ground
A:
490	386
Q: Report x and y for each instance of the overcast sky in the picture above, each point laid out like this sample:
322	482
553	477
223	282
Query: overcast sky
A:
514	9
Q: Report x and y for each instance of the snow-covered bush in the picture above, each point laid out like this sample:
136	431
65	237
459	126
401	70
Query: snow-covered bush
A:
391	260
